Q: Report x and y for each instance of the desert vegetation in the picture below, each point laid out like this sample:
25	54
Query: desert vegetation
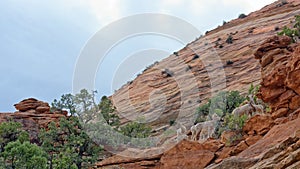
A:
67	143
293	32
226	111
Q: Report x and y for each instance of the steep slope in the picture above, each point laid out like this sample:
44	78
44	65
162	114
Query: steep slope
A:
270	140
174	87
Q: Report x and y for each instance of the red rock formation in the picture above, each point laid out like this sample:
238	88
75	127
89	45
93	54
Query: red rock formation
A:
274	139
33	115
280	75
270	140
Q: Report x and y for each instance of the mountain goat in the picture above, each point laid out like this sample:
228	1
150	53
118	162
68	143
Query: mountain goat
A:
181	133
248	108
258	108
208	128
242	110
196	129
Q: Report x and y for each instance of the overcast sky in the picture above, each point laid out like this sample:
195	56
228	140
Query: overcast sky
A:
41	40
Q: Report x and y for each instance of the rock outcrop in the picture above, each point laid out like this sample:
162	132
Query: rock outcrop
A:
280	71
33	115
279	129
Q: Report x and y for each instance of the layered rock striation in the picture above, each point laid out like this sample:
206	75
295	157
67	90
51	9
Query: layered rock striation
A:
173	88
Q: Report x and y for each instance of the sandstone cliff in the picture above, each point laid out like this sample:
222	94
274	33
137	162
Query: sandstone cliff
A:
270	140
175	86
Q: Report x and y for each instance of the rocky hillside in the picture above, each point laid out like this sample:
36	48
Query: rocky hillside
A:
221	60
270	140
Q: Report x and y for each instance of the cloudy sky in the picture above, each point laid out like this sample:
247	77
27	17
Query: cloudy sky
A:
41	40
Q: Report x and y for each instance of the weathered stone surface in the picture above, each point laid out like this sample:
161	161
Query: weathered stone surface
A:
276	135
295	102
252	139
271	44
228	137
42	109
193	159
293	68
186	155
30	104
280	77
280	113
239	148
258	125
279	148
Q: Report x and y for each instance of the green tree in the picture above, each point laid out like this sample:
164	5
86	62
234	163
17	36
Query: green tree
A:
68	145
136	130
223	103
86	107
66	102
231	123
24	155
107	111
11	131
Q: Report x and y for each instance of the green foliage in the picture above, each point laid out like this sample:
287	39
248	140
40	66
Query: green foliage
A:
86	107
253	90
107	111
292	32
11	131
297	20
24	155
229	62
68	144
221	104
66	102
289	32
82	105
231	123
229	39
172	122
233	139
241	16
136	130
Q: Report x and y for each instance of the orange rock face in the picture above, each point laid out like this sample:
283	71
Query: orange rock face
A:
186	155
280	77
258	125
